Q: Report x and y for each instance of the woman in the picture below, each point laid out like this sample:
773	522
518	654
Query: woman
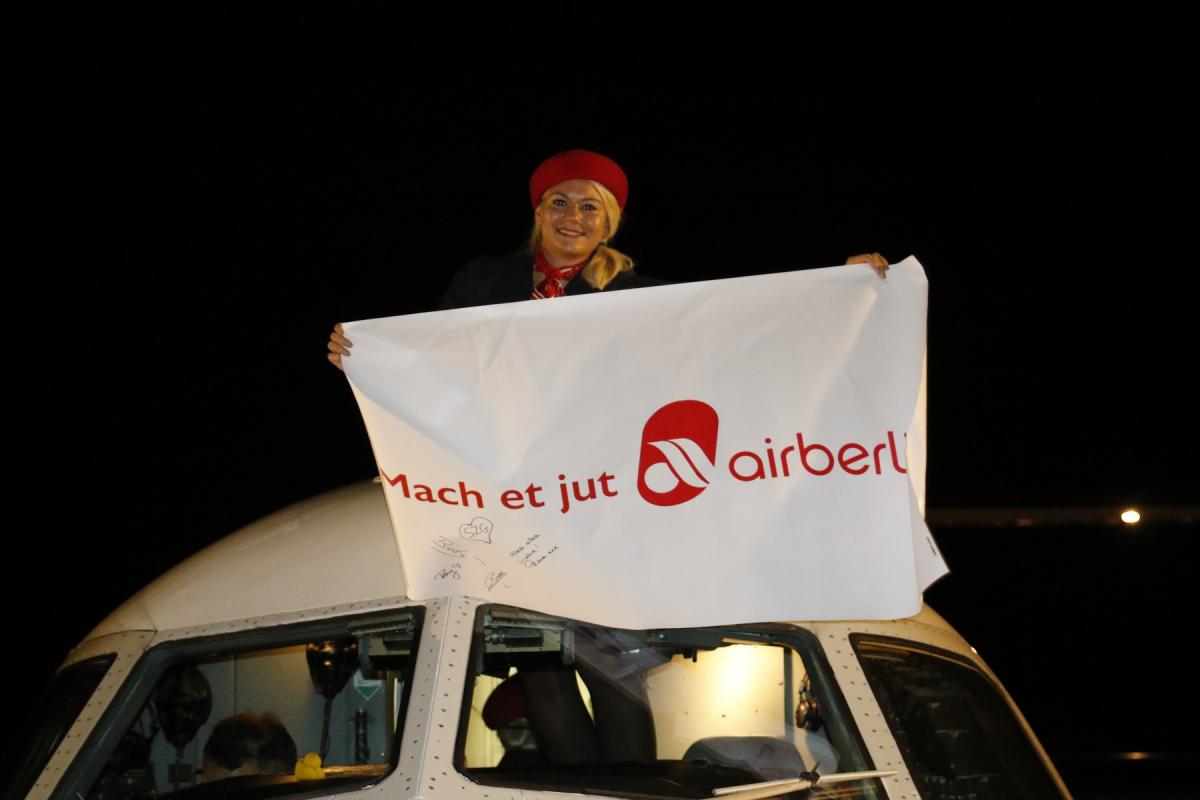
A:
577	199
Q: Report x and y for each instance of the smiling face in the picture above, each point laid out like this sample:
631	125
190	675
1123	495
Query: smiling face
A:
572	222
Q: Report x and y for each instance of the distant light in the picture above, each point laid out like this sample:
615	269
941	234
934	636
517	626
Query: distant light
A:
1130	516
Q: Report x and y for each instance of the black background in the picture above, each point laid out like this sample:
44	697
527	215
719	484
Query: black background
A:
197	199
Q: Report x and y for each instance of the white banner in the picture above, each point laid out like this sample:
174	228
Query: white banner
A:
728	451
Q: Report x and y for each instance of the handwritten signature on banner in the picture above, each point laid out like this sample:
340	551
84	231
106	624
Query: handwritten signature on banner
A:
477	531
454	571
531	554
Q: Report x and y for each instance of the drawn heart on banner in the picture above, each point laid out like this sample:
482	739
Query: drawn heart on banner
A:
478	529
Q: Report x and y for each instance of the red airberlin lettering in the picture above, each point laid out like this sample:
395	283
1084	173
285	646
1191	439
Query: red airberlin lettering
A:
816	459
679	449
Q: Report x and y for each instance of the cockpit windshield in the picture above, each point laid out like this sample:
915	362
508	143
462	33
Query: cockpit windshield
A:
311	708
562	705
60	705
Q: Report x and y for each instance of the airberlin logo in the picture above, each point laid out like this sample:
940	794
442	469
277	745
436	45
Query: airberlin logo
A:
679	455
679	452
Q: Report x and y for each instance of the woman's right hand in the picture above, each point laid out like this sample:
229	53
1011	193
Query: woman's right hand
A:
339	346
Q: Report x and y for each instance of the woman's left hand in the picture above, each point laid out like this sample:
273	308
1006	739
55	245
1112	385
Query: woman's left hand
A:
877	262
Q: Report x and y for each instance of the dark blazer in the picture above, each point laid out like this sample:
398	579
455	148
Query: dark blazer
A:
506	279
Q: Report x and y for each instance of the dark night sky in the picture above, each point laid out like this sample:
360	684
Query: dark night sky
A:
198	200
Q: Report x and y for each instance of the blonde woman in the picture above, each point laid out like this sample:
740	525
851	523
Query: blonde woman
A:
577	199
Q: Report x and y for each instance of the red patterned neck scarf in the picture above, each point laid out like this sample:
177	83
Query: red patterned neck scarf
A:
557	278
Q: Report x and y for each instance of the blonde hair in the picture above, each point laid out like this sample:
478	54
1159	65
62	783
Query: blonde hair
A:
605	263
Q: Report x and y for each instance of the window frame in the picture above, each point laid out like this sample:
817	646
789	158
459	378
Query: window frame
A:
25	775
798	639
84	770
933	651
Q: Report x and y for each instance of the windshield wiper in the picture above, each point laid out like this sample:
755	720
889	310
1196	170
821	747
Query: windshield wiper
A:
806	780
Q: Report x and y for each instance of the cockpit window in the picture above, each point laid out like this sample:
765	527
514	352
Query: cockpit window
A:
61	703
265	714
954	728
559	705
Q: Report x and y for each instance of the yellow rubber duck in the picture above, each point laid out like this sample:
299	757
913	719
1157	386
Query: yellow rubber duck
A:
309	768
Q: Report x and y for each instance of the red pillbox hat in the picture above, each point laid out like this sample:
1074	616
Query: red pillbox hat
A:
574	164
